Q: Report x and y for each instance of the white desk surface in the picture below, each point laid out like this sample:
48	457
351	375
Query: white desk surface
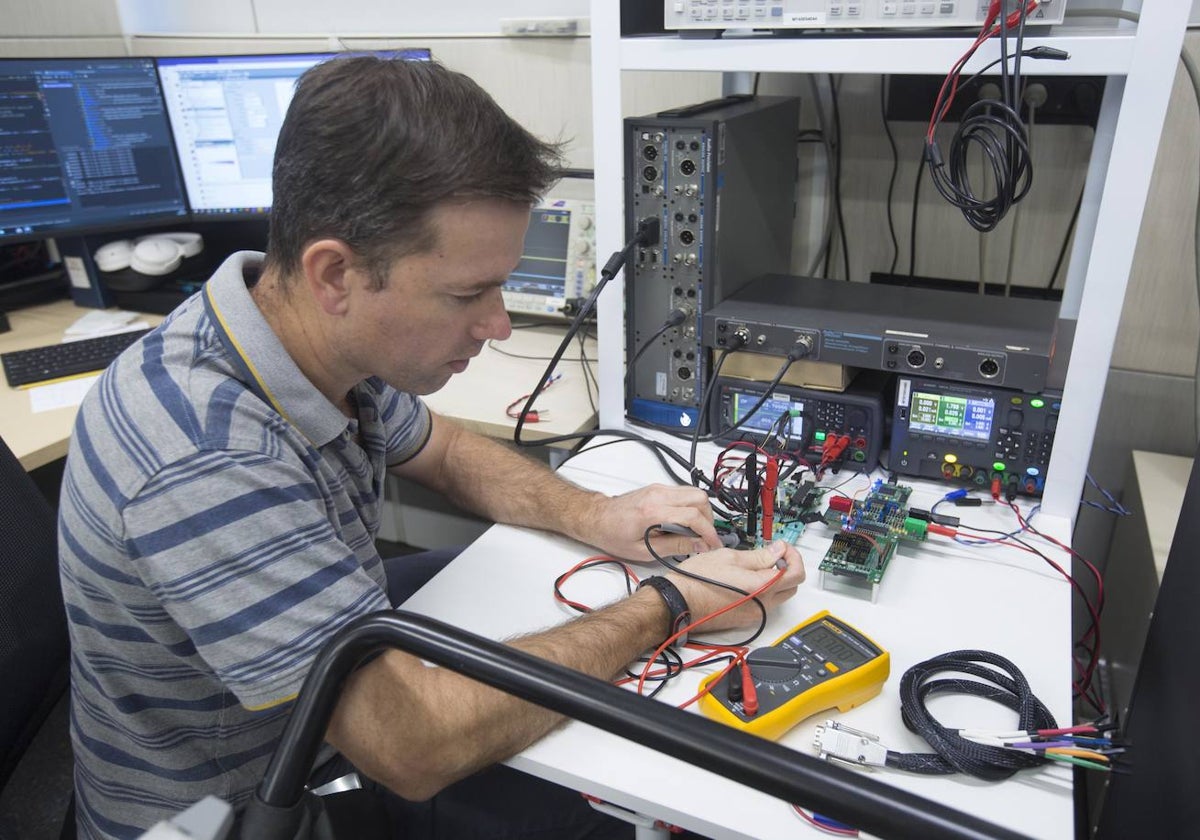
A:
936	598
477	397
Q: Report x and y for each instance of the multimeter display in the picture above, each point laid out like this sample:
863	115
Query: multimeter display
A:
817	665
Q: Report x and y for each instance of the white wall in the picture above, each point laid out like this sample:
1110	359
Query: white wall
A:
346	16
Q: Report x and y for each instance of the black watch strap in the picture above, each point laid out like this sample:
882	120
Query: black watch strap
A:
681	615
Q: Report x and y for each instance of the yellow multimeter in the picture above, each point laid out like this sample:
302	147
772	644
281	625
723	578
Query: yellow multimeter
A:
818	664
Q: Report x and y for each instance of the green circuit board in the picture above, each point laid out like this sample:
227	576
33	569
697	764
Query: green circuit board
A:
869	533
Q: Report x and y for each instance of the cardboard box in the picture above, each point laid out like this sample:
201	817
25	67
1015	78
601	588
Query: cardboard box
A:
760	367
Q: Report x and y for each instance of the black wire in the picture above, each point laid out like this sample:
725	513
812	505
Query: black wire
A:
887	129
912	233
837	180
1003	682
767	391
762	622
658	333
996	127
589	376
705	396
1062	252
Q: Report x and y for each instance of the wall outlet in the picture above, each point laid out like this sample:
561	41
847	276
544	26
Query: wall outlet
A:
560	27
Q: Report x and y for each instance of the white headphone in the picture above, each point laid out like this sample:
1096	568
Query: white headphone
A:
156	254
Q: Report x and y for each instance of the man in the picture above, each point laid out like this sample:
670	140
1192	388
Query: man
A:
223	486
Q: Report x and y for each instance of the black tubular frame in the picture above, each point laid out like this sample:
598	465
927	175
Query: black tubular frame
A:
276	809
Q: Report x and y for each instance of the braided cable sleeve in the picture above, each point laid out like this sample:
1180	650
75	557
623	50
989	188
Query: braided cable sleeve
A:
998	680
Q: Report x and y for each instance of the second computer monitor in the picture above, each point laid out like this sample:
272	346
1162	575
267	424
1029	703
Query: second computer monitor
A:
226	112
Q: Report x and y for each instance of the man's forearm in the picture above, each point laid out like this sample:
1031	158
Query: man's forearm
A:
489	478
417	729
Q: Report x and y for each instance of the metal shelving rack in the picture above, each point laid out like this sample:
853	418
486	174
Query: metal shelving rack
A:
1139	61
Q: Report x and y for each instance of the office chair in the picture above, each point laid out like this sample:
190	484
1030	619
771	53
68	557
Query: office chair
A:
33	624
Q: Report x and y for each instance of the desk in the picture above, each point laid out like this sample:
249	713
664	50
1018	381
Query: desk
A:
936	598
38	439
477	397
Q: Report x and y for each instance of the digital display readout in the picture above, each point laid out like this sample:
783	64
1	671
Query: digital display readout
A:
833	646
766	417
969	418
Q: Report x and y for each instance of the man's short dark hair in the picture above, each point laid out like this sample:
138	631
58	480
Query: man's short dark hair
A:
370	146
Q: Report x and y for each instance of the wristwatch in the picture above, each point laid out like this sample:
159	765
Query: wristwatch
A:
681	615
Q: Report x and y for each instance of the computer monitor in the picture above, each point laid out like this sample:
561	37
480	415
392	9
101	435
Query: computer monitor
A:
558	262
226	112
84	147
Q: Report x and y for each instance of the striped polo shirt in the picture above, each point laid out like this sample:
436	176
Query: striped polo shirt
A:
216	527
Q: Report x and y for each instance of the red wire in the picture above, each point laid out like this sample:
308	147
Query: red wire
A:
841	832
1084	684
585	563
684	630
987	31
709	652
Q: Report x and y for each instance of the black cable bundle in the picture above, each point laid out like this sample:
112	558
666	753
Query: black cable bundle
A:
1003	683
994	125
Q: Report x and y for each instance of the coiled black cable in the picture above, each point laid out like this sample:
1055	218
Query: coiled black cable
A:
997	129
1003	682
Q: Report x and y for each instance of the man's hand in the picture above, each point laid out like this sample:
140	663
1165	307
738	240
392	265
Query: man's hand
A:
617	523
747	570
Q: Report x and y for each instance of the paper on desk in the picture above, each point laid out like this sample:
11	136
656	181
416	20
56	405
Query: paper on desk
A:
129	327
64	394
100	321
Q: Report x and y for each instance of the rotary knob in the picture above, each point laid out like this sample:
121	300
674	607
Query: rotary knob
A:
773	665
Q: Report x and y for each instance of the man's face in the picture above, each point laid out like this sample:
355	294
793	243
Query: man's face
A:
439	308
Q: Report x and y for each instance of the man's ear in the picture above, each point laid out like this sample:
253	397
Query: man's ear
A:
330	273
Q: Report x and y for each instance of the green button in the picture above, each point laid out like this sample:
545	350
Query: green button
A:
1036	403
998	466
819	435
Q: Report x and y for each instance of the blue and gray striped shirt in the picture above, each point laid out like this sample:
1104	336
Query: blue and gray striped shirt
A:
217	526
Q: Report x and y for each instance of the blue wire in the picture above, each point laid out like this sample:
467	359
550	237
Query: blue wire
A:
831	823
1028	520
1116	509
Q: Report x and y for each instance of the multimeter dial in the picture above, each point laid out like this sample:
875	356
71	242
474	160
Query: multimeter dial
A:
774	664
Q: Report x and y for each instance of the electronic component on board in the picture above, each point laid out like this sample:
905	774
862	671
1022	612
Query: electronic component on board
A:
871	529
